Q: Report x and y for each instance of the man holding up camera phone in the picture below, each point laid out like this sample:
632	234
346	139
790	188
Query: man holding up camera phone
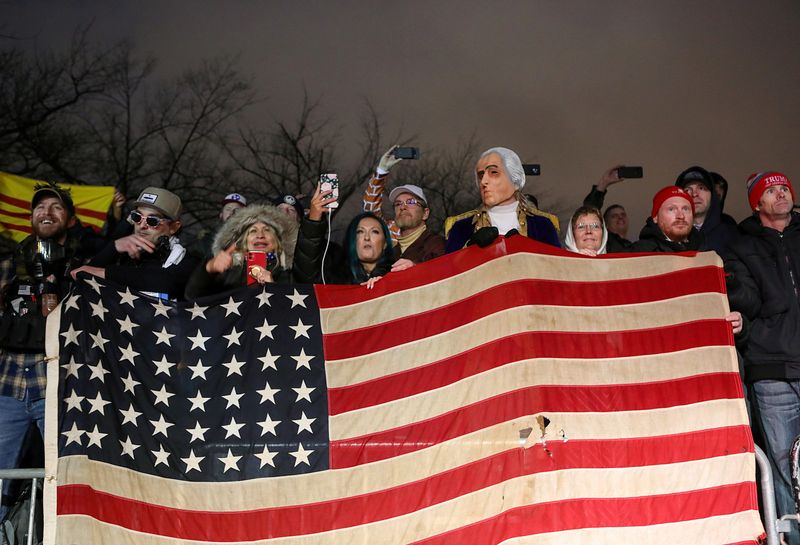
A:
413	242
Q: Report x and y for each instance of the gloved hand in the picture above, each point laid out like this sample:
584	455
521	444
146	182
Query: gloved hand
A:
483	236
388	160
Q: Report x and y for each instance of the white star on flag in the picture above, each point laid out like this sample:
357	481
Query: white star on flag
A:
98	371
130	383
98	309
297	299
128	353
92	281
71	336
198	341
197	433
71	302
268	425
231	307
268	360
161	456
98	341
127	298
301	455
95	437
130	415
304	423
265	330
73	401
197	311
198	402
268	393
163	366
73	435
199	370
266	457
127	325
72	367
234	367
161	426
97	404
303	360
192	461
232	429
263	298
233	337
162	336
300	330
160	308
233	398
128	447
162	395
303	392
230	461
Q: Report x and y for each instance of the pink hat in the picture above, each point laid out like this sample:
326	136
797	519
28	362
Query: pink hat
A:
666	193
759	182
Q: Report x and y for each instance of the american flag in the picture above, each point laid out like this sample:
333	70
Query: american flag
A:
514	393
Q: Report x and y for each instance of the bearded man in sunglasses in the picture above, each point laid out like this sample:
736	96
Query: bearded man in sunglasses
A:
151	259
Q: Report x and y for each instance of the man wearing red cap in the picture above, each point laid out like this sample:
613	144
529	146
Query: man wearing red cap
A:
670	227
763	267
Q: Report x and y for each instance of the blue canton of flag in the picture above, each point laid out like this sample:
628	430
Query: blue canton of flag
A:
227	388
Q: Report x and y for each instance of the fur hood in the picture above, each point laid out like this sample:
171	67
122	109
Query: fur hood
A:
237	224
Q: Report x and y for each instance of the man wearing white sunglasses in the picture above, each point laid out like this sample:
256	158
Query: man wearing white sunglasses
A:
151	259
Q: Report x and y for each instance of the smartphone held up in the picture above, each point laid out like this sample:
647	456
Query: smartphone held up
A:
330	182
630	172
406	153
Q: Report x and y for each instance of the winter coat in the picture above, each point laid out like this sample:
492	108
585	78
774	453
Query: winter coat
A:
763	271
202	283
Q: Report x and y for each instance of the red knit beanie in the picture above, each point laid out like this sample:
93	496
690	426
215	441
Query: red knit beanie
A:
666	193
759	182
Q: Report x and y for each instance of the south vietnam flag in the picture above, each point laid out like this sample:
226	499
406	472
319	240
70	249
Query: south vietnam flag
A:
16	192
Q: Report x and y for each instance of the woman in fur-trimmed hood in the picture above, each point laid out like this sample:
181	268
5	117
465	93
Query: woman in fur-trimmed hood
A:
255	228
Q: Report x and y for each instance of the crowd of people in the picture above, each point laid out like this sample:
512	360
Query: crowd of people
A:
282	242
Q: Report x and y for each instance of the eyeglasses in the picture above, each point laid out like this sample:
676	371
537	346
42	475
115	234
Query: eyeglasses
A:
588	227
408	202
150	221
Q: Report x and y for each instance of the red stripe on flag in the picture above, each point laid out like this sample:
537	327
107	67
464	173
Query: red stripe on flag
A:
444	267
603	513
90	213
540	344
383	335
529	401
19	203
398	501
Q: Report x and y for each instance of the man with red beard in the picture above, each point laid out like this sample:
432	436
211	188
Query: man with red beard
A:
670	227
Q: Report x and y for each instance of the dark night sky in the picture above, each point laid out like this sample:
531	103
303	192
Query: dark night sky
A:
577	86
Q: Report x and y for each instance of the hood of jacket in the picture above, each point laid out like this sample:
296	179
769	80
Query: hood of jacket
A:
284	227
569	239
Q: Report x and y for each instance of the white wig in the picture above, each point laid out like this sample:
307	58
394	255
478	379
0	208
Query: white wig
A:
512	164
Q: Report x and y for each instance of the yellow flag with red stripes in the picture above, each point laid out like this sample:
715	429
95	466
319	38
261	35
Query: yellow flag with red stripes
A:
91	204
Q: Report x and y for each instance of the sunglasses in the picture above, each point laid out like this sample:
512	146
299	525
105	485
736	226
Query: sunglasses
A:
150	221
408	202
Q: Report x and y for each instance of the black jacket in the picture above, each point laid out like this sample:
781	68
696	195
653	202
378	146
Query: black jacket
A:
763	268
308	265
651	239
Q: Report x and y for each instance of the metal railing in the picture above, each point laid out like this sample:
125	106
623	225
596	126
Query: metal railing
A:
23	474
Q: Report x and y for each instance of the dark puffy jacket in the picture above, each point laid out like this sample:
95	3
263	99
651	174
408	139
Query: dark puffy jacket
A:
763	267
716	232
651	239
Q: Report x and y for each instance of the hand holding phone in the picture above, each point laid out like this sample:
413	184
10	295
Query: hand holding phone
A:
406	153
630	172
